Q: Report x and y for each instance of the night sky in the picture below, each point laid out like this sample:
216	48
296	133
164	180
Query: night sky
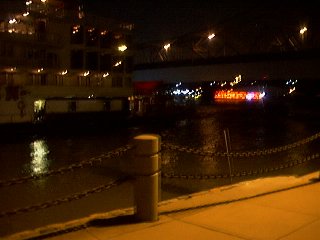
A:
161	20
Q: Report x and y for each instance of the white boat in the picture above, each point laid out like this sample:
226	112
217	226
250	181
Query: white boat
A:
56	60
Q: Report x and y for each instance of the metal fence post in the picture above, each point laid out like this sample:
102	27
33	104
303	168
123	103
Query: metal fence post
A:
146	170
228	148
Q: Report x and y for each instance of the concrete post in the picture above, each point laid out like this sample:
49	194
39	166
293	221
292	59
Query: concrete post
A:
146	170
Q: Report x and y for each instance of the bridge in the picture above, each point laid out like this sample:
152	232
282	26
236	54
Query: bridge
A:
269	66
264	45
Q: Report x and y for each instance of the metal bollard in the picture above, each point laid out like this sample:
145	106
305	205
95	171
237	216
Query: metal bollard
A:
145	169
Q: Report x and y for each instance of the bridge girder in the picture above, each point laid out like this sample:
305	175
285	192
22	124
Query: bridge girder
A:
242	34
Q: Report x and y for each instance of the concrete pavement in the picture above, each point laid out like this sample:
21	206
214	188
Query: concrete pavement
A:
283	208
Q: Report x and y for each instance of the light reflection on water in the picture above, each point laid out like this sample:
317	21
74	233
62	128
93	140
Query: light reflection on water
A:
251	128
39	151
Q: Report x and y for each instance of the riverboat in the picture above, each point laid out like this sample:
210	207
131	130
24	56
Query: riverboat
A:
56	59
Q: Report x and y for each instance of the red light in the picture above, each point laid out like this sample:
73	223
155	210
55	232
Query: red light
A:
237	95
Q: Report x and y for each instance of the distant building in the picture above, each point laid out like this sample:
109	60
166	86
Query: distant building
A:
54	59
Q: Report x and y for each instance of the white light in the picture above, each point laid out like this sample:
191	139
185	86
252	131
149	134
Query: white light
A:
185	92
122	48
28	3
212	35
40	70
250	96
26	14
39	154
176	92
118	64
44	1
178	84
303	30
167	46
262	95
64	72
12	21
86	73
292	90
75	29
103	33
105	75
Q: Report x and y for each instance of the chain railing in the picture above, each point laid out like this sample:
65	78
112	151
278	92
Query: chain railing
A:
66	199
142	174
263	152
87	163
249	173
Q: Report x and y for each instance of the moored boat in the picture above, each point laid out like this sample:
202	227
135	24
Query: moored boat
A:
55	60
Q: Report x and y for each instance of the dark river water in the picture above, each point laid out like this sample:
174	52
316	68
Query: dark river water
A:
251	126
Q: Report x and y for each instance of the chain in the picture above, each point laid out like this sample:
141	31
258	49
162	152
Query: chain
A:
66	199
241	154
70	168
244	173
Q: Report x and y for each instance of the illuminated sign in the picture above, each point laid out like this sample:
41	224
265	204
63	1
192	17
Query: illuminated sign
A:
238	95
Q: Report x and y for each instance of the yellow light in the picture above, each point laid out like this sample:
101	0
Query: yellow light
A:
105	75
40	70
28	3
118	64
303	30
12	21
167	46
86	73
63	72
103	33
26	14
236	81
292	90
39	105
122	48
76	27
39	154
212	35
44	1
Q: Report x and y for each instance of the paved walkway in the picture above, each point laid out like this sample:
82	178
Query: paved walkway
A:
259	209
